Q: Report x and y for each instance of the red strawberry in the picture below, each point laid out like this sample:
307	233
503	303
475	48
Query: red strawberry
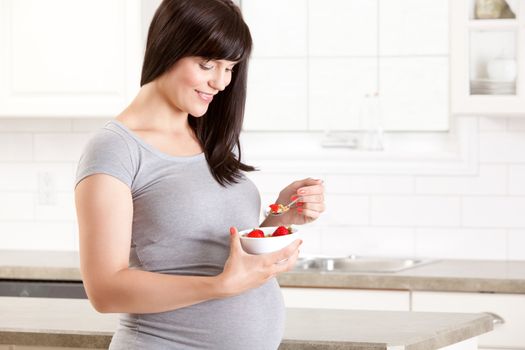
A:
274	207
281	231
256	234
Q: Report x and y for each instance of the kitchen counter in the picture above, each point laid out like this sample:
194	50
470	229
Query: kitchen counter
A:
443	275
35	321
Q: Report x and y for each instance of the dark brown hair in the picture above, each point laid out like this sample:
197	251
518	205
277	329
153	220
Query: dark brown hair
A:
213	29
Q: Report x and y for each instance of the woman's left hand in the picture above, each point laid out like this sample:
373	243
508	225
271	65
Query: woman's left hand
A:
310	205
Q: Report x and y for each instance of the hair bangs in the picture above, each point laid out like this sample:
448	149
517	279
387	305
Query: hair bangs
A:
227	41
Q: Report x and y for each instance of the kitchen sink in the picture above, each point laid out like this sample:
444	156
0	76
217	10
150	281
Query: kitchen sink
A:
354	263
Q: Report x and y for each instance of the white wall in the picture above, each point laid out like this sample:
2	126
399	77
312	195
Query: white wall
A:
467	217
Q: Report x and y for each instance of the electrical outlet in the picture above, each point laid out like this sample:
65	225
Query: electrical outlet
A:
46	189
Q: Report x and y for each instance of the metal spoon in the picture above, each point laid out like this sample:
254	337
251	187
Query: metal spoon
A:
268	212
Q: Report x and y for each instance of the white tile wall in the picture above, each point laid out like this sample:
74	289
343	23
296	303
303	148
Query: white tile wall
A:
502	147
419	211
516	124
284	33
517	179
491	179
334	103
342	27
409	28
300	84
516	244
388	241
35	235
403	97
478	216
16	147
277	94
369	184
458	243
494	211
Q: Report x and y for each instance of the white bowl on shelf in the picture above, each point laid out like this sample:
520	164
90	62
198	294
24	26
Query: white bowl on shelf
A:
267	244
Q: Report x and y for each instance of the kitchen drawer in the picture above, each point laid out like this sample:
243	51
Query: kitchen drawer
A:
510	307
330	298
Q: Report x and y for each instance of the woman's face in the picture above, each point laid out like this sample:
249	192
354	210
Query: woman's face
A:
192	82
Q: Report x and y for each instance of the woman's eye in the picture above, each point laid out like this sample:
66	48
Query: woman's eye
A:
205	67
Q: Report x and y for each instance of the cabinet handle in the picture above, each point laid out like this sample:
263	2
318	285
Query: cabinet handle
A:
497	320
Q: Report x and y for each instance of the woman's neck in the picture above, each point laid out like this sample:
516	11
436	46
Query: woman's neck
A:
149	110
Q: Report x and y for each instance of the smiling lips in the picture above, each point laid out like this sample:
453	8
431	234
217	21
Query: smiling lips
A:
206	97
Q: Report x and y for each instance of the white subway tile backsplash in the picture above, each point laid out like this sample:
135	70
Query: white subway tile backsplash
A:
342	27
409	28
334	104
275	19
492	124
17	206
366	241
497	212
345	210
426	211
280	87
491	179
62	209
405	105
516	179
311	236
23	177
37	236
16	147
515	124
88	125
516	245
18	177
460	243
60	147
301	83
502	147
369	184
35	125
271	183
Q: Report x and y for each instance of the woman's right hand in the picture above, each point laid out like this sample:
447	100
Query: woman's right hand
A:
243	271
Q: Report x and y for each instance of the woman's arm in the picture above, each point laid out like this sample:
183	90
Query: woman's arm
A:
105	213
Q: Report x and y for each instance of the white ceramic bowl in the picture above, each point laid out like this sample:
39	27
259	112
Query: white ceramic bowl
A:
266	244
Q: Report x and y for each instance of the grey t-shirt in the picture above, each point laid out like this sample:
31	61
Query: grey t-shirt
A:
181	221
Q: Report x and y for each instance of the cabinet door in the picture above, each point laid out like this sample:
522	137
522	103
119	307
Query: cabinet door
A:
68	58
511	307
487	61
328	298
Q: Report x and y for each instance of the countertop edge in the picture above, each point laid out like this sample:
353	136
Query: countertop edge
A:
63	339
287	344
461	333
396	282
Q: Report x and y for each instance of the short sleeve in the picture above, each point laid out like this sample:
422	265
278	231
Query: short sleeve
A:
106	153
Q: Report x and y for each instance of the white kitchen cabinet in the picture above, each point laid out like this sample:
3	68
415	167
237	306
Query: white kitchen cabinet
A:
62	58
487	60
510	307
331	298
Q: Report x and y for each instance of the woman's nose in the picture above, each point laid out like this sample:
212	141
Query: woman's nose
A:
218	82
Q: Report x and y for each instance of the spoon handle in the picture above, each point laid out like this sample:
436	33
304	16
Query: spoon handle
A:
289	205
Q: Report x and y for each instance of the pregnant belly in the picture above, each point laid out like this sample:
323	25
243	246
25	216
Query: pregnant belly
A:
252	320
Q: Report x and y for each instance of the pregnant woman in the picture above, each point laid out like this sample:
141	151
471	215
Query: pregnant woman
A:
161	190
